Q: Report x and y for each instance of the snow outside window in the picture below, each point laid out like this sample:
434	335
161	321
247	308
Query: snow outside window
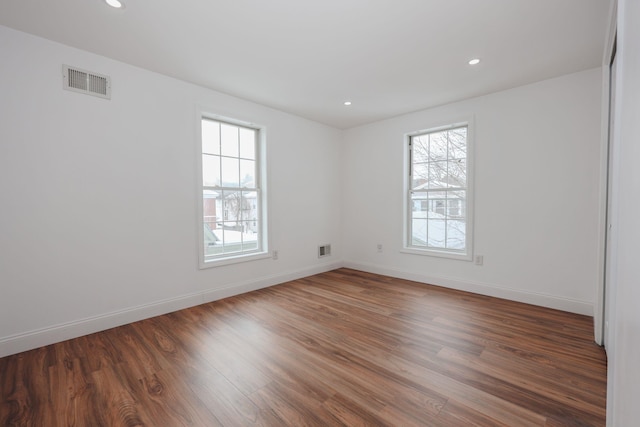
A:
232	200
438	220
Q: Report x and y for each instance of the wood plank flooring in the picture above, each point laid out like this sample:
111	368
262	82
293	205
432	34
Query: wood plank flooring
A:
343	348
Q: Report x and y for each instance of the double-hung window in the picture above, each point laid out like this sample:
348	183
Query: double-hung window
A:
438	214
233	203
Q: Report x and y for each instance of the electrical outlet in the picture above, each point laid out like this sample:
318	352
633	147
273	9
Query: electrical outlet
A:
379	247
479	259
274	254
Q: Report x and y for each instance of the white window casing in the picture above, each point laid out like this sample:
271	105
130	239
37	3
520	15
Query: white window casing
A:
232	208
438	191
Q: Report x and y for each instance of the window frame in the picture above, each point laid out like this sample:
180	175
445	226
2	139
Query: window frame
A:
262	251
407	247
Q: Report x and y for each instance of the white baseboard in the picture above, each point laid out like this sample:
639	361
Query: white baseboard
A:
264	282
543	300
37	338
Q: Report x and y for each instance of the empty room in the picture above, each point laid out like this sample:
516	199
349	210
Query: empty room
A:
342	213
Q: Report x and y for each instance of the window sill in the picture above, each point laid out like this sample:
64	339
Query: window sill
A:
219	262
440	254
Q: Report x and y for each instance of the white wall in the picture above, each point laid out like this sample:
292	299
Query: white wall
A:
624	321
537	151
98	198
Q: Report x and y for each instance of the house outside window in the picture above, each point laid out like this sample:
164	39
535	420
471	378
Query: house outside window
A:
438	218
233	202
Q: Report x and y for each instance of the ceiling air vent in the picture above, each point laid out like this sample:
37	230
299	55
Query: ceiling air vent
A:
86	82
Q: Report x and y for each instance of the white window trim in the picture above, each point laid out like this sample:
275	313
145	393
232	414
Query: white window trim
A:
467	255
261	156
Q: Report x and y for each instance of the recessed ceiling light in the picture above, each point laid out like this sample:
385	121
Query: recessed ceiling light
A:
474	61
347	103
115	3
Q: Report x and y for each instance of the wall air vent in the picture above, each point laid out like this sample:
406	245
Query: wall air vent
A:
324	250
86	82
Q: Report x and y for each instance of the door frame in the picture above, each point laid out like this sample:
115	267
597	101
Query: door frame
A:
609	51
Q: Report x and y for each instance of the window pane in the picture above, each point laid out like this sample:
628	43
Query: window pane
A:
247	143
457	173
419	175
438	146
436	233
210	170
436	204
453	208
249	237
230	172
420	148
438	174
455	234
231	208
210	137
210	210
456	204
212	207
244	206
212	242
248	173
419	232
458	143
232	240
419	204
229	140
250	212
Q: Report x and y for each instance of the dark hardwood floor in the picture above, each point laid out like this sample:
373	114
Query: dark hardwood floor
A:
339	348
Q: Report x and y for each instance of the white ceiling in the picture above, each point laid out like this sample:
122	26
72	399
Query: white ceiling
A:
307	57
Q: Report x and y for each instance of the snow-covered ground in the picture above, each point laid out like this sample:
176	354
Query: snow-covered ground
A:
437	231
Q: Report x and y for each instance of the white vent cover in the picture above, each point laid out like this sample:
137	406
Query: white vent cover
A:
86	82
324	250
